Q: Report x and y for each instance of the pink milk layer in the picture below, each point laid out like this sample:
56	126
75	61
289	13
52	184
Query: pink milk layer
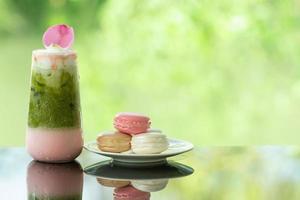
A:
54	179
54	145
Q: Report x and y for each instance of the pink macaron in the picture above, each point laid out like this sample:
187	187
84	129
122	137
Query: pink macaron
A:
130	193
131	123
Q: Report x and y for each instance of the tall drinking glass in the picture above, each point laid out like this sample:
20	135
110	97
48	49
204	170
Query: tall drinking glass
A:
54	120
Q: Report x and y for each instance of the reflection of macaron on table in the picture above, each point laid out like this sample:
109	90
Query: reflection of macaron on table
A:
112	183
130	193
150	185
134	143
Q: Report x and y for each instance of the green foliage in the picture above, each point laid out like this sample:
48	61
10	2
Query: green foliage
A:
250	173
212	72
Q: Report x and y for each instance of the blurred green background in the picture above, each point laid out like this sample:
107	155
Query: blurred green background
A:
212	72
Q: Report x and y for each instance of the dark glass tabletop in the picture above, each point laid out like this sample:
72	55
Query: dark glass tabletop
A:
254	173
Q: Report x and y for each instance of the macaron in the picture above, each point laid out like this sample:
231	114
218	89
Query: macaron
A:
131	123
150	185
112	183
130	193
114	142
149	143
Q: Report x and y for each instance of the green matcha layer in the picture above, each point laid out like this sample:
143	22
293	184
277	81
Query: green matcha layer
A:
41	197
54	100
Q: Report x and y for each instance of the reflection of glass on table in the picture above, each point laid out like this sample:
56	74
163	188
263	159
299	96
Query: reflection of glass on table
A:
54	181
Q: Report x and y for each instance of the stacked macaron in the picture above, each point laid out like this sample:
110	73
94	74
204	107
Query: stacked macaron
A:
133	132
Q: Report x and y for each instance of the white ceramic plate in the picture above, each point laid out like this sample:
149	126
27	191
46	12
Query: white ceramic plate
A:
175	147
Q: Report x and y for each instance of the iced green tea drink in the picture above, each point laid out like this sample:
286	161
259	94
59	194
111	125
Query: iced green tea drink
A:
54	121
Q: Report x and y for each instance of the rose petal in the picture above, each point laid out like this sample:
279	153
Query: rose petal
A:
61	35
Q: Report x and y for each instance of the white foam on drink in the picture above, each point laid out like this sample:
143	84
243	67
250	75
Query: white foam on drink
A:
53	58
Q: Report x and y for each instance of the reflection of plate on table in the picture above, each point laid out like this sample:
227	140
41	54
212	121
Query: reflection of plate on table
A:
107	170
130	159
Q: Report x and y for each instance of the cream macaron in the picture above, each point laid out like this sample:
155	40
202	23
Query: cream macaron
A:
151	142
